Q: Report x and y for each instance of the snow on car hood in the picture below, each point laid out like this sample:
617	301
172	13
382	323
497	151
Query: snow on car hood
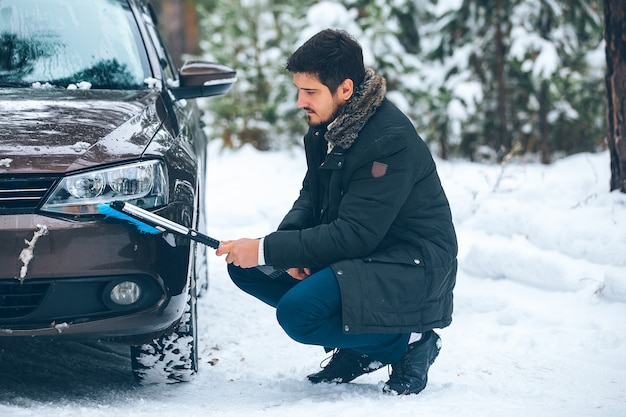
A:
49	130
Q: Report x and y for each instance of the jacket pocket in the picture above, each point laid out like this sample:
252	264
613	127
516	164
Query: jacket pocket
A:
394	291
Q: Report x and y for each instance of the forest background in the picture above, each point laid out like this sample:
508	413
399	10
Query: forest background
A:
484	80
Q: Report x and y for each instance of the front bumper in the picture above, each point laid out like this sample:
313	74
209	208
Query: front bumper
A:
56	277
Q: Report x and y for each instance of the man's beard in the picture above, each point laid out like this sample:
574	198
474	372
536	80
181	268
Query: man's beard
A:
311	124
336	113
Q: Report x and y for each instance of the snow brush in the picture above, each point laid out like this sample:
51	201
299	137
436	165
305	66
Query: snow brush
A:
148	222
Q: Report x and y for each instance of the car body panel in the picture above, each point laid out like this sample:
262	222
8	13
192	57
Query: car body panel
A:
57	269
59	131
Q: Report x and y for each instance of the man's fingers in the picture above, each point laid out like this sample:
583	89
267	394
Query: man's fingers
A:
298	273
224	248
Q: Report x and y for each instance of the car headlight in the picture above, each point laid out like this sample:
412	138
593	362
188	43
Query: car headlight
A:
142	183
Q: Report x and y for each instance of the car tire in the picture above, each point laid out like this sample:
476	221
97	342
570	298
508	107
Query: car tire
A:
172	357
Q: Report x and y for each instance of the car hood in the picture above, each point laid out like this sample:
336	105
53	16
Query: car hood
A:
58	131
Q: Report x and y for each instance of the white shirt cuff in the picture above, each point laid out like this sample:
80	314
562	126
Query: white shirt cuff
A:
261	251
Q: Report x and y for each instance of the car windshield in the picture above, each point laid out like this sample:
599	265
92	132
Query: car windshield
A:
65	43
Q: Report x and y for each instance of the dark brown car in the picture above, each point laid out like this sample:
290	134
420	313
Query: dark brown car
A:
91	111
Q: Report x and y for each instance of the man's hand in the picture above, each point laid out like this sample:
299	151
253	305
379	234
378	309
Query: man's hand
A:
242	252
299	273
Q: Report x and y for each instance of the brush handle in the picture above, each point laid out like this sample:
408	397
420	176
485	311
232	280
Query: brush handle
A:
163	224
204	239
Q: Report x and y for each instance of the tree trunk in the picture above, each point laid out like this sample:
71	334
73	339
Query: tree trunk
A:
615	37
544	108
504	140
179	22
546	23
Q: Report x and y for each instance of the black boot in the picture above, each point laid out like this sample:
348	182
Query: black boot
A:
410	375
344	366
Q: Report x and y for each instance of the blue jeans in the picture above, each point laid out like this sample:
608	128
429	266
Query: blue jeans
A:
310	312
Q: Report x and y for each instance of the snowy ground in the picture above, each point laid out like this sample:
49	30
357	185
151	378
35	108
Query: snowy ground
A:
539	326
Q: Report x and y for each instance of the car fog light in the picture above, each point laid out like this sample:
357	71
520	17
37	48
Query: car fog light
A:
126	293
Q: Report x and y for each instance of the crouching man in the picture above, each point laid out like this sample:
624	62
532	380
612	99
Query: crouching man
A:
368	250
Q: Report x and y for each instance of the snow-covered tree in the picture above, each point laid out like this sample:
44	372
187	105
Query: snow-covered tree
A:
255	37
516	75
553	47
478	77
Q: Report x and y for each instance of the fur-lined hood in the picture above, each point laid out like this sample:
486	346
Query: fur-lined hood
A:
366	99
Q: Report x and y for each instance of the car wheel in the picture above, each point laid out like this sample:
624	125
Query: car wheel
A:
172	357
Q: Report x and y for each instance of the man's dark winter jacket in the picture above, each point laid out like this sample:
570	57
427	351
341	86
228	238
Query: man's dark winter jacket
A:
373	209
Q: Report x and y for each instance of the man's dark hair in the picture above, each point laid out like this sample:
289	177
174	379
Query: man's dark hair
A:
332	55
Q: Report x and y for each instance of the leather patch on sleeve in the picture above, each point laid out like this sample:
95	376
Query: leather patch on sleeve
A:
379	169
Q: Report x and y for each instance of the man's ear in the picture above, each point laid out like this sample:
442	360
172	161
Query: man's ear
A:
346	89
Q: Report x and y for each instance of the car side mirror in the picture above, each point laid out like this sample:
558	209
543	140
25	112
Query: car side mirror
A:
203	79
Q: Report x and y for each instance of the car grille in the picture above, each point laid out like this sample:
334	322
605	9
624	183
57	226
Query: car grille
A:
22	194
20	299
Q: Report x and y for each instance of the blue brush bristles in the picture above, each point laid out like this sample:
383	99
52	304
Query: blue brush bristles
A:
141	226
